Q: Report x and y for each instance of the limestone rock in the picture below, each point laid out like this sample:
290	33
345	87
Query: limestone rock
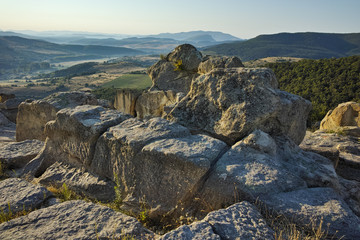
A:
239	221
7	132
74	220
18	154
21	195
342	149
33	115
231	103
12	103
80	181
165	76
345	117
314	204
72	136
210	63
125	100
4	97
10	114
259	166
152	103
3	120
350	190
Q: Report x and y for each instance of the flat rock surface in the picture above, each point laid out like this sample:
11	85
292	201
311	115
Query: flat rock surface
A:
74	220
79	181
239	221
314	204
17	154
20	194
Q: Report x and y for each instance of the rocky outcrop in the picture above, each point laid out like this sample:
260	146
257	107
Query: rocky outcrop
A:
125	100
4	97
72	136
343	150
19	195
3	120
209	63
231	103
18	154
344	118
239	221
153	103
177	70
74	220
308	207
259	166
80	181
33	115
9	108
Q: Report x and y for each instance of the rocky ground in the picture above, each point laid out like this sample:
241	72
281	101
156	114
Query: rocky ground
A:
220	160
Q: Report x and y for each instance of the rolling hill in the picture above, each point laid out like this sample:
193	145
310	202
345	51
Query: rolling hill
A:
301	45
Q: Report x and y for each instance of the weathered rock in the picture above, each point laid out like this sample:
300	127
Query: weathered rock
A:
315	204
18	154
125	100
74	220
152	104
344	118
231	103
189	56
343	149
80	181
259	166
10	114
239	221
350	191
3	120
21	195
4	97
12	103
7	132
209	63
166	76
33	115
72	136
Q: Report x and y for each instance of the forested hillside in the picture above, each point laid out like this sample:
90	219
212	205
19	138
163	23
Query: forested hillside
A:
325	82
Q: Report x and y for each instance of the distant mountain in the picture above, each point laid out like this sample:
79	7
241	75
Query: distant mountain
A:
217	36
302	45
18	52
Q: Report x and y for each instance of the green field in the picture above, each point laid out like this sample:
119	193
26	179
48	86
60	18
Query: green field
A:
133	81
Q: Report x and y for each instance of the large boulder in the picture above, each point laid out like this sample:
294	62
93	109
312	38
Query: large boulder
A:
177	70
125	100
209	63
158	163
72	136
153	103
18	154
74	220
309	207
239	221
33	115
10	108
231	103
19	195
259	166
344	118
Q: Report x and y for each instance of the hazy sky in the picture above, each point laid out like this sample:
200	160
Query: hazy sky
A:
244	19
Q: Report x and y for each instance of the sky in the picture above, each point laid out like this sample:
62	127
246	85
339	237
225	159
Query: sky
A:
243	19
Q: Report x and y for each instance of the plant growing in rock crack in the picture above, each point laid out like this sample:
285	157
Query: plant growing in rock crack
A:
7	216
179	65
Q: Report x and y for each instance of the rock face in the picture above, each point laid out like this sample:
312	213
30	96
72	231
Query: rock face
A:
239	221
3	120
231	103
4	97
209	63
343	150
344	118
259	166
9	108
165	75
72	136
74	220
18	154
125	101
21	195
153	103
33	115
315	204
80	181
154	160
